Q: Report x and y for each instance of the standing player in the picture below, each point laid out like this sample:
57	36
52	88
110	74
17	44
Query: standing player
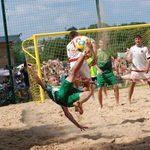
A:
105	73
139	56
74	53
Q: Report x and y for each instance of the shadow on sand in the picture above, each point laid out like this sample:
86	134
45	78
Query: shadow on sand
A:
24	139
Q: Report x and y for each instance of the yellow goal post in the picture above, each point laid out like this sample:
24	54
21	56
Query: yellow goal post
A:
41	49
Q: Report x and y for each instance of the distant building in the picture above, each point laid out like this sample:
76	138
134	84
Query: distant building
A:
3	49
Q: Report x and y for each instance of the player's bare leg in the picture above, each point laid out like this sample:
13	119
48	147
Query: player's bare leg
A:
84	96
131	89
78	107
100	96
116	92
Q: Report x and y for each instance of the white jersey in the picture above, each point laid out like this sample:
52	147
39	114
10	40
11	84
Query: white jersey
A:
73	54
72	51
139	56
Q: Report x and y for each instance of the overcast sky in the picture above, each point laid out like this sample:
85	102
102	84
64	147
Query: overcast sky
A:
39	16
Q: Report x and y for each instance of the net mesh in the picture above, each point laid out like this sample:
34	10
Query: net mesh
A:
26	18
52	48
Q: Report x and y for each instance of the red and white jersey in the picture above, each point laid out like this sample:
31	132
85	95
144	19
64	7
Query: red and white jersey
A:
72	51
139	56
73	55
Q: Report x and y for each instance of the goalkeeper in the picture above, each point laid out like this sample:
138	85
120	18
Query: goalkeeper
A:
66	95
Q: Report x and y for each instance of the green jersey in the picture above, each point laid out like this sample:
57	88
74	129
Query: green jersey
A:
64	95
104	60
51	91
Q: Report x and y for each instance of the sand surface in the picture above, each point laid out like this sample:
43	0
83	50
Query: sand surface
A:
29	126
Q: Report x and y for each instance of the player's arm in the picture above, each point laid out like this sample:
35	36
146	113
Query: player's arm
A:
128	56
94	51
35	76
147	69
71	118
92	45
148	65
98	69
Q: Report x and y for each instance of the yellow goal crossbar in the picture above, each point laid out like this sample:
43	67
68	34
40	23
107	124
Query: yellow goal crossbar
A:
93	30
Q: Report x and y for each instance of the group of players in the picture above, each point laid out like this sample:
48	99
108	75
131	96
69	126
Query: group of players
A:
81	49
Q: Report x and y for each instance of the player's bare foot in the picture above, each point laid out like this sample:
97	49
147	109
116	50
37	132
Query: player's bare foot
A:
78	107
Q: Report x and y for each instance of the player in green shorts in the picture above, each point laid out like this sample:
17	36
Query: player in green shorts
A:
105	74
65	94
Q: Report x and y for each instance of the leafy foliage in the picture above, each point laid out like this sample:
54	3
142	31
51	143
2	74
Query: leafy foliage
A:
18	53
51	51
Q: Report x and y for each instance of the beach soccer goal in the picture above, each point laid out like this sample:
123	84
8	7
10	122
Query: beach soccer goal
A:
48	53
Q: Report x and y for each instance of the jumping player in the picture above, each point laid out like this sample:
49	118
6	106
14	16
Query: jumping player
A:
66	95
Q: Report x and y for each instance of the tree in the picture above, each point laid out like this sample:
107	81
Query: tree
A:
19	56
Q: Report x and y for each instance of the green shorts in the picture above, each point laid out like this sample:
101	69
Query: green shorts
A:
108	78
67	94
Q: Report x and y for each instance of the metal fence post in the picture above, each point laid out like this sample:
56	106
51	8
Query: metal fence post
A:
8	51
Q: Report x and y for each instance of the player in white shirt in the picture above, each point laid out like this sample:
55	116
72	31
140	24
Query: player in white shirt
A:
139	55
73	53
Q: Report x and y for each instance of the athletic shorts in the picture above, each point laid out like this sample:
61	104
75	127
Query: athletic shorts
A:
67	94
108	78
136	76
84	72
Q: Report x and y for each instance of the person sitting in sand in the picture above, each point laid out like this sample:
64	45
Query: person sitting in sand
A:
65	94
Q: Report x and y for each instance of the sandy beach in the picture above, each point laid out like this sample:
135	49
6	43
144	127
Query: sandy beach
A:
31	126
